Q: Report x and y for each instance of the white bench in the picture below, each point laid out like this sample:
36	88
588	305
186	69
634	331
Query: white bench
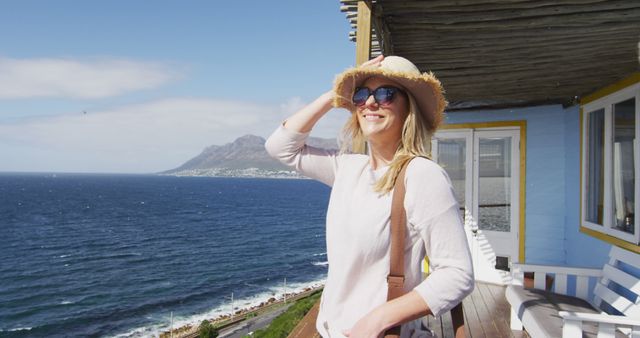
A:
584	302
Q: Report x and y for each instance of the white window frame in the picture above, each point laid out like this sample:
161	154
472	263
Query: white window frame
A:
607	103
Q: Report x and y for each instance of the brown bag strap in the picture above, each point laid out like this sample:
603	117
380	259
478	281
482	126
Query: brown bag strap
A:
395	279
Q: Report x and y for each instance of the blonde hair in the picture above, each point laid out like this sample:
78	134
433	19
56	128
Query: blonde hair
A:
414	141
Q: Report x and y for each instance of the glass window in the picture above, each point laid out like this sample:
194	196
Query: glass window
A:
494	184
595	167
624	144
609	165
452	157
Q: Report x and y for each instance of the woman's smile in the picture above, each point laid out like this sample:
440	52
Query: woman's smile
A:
373	117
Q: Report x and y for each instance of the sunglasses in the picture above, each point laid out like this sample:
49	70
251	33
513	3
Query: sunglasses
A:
382	95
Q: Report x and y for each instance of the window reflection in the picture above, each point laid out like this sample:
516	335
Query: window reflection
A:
624	145
595	163
452	157
494	184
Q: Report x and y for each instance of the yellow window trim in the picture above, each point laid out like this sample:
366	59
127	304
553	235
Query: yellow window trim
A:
611	240
606	91
522	124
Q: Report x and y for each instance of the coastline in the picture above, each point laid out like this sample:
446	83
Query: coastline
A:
252	306
238	173
226	320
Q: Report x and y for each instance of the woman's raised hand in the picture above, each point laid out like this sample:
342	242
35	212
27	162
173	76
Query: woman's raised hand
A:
307	117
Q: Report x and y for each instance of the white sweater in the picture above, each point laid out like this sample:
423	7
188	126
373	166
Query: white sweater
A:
358	234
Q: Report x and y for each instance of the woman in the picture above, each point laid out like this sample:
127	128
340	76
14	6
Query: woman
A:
394	111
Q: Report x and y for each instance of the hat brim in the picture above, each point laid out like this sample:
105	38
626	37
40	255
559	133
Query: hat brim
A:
425	89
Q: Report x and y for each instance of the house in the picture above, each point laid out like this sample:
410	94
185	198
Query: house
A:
540	139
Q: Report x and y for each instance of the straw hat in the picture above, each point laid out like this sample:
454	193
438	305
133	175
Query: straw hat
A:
424	87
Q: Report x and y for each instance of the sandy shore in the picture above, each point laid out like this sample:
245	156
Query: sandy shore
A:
240	315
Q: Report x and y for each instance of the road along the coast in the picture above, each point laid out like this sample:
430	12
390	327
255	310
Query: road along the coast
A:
252	324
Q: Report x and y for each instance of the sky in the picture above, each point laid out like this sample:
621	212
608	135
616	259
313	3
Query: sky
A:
126	86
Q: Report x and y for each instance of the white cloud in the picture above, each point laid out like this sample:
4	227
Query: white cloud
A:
292	105
68	78
147	137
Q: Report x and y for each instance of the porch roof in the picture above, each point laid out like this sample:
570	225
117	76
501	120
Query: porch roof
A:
508	53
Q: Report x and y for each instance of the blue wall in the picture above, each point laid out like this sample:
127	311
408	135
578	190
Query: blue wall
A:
552	184
582	250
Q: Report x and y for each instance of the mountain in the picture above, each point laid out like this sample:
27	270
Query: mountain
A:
245	156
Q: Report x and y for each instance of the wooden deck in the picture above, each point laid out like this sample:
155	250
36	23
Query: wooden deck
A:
486	314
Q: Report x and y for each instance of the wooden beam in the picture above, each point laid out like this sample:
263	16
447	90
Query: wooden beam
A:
363	36
501	11
382	33
348	8
572	21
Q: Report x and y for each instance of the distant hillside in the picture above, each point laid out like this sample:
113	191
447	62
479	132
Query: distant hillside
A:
245	156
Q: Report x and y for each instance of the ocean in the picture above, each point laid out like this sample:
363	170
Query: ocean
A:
115	255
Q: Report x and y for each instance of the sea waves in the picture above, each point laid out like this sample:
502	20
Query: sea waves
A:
85	258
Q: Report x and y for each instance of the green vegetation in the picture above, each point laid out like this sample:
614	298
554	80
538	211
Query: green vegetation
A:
207	330
282	325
